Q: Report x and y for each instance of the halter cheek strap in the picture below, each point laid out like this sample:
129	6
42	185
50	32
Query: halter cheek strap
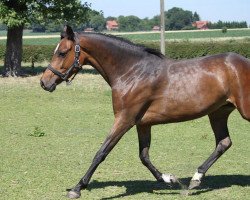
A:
75	65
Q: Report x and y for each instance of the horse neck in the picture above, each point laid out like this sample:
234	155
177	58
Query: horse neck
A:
110	59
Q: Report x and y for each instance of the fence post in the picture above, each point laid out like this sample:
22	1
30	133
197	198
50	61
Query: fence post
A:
162	27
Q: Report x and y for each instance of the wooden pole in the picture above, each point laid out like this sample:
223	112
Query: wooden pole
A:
162	27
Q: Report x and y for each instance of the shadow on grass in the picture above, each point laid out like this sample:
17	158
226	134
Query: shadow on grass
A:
34	71
210	183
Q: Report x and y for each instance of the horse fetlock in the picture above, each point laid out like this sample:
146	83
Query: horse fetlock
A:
197	176
196	180
194	184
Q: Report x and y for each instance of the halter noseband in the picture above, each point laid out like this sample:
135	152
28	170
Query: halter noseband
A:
76	64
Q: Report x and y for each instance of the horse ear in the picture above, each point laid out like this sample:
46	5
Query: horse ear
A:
69	33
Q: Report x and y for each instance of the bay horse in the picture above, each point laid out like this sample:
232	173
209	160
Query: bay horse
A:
149	89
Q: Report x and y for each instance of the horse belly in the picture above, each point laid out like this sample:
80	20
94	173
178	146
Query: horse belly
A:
178	108
158	114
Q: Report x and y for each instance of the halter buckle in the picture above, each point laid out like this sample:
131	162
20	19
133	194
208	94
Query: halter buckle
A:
77	48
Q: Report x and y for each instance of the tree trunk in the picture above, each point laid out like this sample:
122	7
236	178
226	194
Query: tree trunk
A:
13	56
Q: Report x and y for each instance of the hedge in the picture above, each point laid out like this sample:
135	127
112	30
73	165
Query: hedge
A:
176	50
186	50
33	53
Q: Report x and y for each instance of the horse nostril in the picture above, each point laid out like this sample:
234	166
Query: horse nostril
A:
42	84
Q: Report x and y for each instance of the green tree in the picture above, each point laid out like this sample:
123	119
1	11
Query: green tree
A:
196	17
129	23
146	24
16	13
155	21
177	19
220	24
97	20
111	18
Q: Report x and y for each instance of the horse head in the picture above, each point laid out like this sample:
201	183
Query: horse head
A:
66	61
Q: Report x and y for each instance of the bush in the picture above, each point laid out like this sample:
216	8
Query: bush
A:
33	53
185	50
224	29
176	50
37	53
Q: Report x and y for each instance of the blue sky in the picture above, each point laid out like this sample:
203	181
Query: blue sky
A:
211	10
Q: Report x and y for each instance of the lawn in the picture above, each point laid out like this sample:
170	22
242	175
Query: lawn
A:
73	121
147	36
30	33
192	35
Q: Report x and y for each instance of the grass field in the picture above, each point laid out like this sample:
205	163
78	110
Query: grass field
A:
192	35
170	36
73	121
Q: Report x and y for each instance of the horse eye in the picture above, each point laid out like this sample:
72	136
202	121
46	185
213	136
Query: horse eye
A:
62	54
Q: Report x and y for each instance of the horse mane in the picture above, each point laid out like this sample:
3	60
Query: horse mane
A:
128	43
154	52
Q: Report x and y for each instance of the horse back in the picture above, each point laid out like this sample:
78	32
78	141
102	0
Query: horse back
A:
194	88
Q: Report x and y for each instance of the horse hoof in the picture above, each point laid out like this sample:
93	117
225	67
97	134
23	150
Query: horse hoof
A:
185	193
73	194
194	184
169	178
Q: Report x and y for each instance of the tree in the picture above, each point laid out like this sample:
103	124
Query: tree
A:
155	21
146	24
111	18
220	25
177	19
196	17
129	23
16	13
97	20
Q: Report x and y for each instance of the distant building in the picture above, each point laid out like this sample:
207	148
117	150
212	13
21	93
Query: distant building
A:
112	25
88	30
202	25
156	28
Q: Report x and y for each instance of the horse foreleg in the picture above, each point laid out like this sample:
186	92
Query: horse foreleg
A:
218	121
144	136
118	130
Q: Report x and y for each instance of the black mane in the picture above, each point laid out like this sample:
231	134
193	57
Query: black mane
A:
128	43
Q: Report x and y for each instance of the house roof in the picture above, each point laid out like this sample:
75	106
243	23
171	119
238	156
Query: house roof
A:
111	23
201	24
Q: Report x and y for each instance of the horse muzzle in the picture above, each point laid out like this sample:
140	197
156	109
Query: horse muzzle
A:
48	87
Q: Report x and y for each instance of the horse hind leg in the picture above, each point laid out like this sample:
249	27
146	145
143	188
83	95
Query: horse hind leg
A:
218	121
144	137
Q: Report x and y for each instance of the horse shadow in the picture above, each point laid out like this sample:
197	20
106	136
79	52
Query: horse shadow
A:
210	183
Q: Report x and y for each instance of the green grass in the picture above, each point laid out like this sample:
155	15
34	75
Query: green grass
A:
182	35
29	33
41	41
177	35
75	120
38	41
